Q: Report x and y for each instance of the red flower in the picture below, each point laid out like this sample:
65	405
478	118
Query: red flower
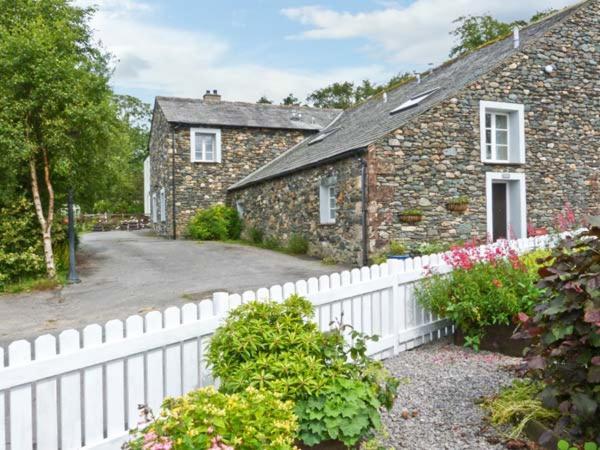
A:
496	282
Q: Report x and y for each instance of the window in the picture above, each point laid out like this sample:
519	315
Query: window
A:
239	206
205	145
413	101
328	200
163	205
154	208
502	133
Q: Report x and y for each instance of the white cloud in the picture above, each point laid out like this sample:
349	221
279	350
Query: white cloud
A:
170	61
415	34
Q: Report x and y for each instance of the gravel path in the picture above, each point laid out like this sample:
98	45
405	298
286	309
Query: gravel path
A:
440	384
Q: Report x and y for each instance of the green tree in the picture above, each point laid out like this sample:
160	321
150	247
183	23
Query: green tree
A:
336	95
264	100
58	119
365	90
474	31
541	14
290	100
398	79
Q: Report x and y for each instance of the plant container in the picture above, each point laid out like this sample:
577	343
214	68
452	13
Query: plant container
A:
497	338
406	256
457	207
326	445
411	218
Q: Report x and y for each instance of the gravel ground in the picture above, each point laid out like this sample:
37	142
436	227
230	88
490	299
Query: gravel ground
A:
440	383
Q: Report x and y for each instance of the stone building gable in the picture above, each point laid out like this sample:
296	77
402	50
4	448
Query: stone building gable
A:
160	146
437	155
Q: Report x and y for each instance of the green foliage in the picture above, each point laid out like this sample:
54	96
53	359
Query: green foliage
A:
486	294
297	245
346	410
566	329
256	235
564	445
398	248
517	405
474	31
290	100
21	252
249	420
219	222
277	347
461	200
271	243
430	248
264	100
329	261
411	212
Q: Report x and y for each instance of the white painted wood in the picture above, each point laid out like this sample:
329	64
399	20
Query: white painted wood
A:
248	296
220	303
173	355
289	289
367	307
376	316
93	404
205	309
276	293
235	300
190	351
136	383
70	393
323	313
2	407
154	365
21	415
46	397
262	294
115	384
301	288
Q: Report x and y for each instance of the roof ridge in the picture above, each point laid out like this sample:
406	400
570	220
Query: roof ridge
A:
242	103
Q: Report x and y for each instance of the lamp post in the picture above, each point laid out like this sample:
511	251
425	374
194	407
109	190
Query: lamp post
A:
73	278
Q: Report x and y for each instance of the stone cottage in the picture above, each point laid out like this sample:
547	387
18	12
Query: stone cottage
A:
199	148
514	127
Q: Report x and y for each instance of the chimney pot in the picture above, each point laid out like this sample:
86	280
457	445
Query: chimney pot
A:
213	96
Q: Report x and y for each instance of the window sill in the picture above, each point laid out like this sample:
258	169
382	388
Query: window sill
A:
206	162
504	163
327	223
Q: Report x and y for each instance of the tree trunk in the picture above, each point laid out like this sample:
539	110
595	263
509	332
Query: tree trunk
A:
45	221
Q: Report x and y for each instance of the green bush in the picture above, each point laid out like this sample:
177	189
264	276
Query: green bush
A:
482	295
271	243
256	235
277	346
297	245
219	222
430	248
21	249
206	419
566	333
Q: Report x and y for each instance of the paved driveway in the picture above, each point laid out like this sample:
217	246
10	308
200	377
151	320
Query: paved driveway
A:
126	273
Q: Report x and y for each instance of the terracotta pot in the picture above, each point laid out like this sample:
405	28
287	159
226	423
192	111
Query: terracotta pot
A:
457	207
411	219
497	338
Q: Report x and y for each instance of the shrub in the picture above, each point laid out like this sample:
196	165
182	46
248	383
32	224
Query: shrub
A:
277	346
297	245
271	243
256	235
485	288
218	222
430	248
398	248
566	332
206	419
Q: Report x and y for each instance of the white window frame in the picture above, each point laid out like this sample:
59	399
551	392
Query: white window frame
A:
508	178
515	113
154	208
217	150
163	205
325	199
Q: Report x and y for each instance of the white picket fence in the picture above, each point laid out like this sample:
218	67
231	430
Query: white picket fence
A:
82	390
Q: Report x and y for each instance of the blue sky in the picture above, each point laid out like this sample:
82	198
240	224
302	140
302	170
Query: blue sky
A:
246	49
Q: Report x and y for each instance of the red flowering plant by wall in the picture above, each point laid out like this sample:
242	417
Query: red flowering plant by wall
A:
489	285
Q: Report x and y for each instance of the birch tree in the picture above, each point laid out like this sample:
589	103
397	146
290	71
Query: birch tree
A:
57	118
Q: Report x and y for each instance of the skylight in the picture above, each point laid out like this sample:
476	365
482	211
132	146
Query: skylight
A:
414	100
323	135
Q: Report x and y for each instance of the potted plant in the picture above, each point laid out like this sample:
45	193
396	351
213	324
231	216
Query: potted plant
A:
411	215
458	204
398	250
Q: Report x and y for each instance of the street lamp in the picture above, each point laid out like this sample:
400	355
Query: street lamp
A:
73	278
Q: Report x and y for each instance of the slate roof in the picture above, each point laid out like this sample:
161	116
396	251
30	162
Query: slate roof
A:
359	126
199	112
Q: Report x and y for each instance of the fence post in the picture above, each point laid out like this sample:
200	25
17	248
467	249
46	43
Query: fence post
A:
394	269
220	303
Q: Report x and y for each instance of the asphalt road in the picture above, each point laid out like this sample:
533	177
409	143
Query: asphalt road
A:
125	273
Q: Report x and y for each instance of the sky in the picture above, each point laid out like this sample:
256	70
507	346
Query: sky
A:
249	48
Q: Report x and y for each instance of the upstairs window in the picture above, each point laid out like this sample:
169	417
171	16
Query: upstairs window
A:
328	200
502	133
205	145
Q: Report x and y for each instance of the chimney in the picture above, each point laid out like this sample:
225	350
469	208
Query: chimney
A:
212	97
516	37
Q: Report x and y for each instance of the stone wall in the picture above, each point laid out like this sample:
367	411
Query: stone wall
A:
284	206
437	156
200	184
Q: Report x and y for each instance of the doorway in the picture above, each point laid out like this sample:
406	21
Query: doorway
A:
506	207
